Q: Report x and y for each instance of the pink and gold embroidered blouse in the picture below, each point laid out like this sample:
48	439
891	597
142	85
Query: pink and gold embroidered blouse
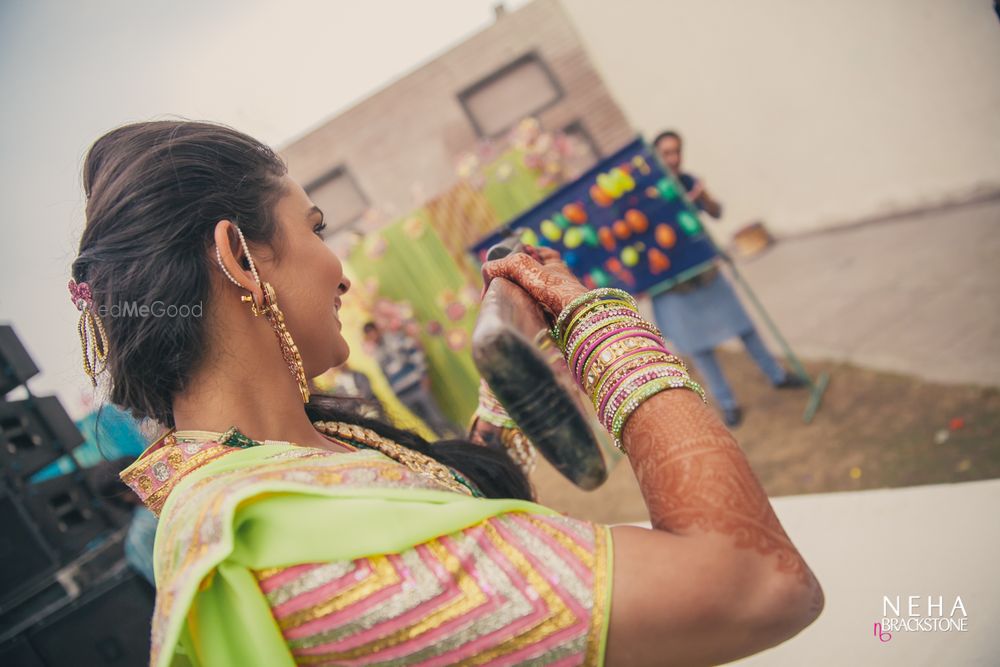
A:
516	588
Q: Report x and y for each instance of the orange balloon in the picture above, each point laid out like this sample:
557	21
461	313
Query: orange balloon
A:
665	235
614	265
607	238
600	197
658	262
652	192
637	220
621	229
575	213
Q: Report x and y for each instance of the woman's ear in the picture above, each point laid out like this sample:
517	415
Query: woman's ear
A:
231	255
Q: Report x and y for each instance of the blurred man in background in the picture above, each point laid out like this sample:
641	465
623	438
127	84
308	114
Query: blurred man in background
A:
405	367
699	313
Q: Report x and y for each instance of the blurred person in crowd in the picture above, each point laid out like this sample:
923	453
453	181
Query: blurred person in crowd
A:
402	361
702	312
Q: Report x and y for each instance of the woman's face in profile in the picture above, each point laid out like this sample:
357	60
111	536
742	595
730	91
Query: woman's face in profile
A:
309	281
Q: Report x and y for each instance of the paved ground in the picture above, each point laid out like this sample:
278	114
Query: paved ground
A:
922	541
919	295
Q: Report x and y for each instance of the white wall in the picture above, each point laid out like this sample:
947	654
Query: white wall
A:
811	113
70	71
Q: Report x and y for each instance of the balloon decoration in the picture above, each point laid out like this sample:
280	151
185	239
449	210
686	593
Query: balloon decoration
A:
624	223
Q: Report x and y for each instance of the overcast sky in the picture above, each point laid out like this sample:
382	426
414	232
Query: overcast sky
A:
69	71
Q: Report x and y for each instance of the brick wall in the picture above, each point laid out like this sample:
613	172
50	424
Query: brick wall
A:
407	136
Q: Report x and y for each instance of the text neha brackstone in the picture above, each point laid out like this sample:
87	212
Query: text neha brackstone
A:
923	614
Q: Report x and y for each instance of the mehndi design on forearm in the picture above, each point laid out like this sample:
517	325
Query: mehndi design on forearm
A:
694	476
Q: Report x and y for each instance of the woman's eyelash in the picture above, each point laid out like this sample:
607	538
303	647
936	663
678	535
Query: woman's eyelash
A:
319	229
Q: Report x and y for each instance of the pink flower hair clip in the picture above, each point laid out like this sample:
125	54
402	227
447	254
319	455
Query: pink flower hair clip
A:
93	337
82	295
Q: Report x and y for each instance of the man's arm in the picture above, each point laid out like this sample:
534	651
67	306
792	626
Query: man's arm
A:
707	202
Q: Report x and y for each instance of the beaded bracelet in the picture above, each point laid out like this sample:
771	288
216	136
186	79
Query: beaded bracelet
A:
595	333
586	297
608	349
629	364
589	330
600	365
597	378
615	396
593	311
589	324
643	393
585	326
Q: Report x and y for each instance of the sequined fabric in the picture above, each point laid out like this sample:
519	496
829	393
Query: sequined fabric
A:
515	589
518	588
201	539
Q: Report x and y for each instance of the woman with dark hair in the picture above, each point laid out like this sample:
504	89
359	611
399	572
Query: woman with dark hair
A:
291	532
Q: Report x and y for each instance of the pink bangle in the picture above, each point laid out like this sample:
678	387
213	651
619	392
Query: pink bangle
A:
608	398
595	354
584	350
621	365
588	326
625	323
611	324
621	393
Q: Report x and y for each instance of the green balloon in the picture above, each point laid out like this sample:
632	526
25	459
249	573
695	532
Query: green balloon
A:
560	220
600	278
590	236
667	188
688	223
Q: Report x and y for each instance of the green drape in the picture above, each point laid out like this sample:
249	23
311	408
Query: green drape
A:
417	269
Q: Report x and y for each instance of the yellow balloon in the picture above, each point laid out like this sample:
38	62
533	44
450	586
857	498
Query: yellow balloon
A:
529	237
606	183
630	256
550	230
628	182
574	237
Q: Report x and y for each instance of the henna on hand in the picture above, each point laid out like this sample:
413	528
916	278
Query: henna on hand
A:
549	282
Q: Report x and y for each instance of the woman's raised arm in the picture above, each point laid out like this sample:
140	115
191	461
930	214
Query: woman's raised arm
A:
717	578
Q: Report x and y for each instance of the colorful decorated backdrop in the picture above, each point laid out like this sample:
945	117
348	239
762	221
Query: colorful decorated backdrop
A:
420	288
416	273
624	223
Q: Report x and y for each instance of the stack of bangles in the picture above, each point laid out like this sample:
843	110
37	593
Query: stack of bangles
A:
616	357
518	447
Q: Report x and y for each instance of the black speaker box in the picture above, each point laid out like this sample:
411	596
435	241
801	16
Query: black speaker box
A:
16	366
26	559
108	625
33	433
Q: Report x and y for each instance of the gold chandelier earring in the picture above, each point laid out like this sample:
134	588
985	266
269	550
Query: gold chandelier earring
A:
269	309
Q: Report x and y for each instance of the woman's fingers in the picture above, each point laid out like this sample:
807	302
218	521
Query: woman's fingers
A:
514	267
549	256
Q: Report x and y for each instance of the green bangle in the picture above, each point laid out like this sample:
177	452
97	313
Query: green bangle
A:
592	309
584	298
640	396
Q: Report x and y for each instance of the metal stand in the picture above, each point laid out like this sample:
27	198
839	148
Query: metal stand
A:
818	386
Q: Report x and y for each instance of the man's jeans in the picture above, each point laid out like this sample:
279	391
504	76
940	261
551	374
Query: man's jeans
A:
708	367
